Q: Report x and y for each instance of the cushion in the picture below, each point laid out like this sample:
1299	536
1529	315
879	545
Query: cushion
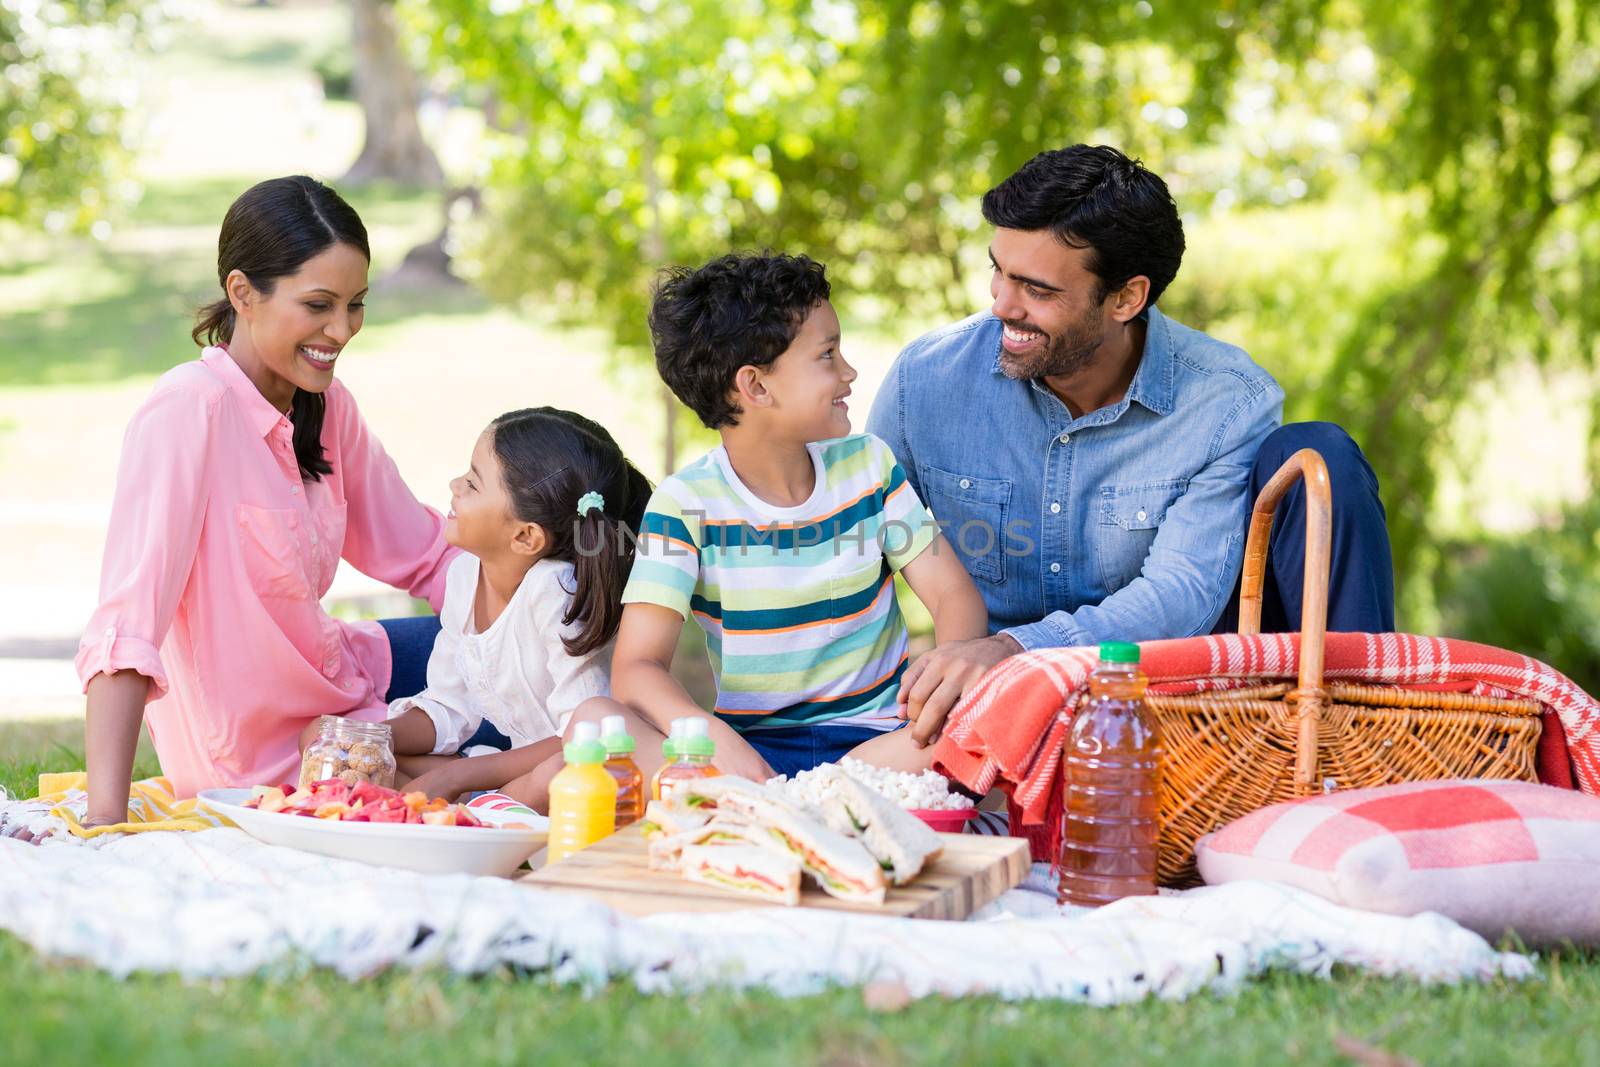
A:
1498	857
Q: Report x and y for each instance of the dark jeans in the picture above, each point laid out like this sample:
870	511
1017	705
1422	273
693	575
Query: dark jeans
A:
1361	572
410	645
800	748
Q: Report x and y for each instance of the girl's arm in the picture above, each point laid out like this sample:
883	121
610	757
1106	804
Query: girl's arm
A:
641	677
484	772
929	690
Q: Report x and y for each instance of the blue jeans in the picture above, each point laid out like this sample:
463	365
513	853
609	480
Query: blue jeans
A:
1361	572
410	645
800	748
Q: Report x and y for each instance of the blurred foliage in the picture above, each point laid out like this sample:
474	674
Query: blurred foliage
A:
1538	593
1460	134
62	102
335	67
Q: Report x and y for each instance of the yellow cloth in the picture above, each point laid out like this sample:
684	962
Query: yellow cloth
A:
151	806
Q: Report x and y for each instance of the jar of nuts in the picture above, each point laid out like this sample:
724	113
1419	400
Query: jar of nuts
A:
350	751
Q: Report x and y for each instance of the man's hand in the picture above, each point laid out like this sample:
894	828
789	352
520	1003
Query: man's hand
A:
934	683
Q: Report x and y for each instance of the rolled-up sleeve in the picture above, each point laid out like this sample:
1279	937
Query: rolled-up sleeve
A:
390	535
152	539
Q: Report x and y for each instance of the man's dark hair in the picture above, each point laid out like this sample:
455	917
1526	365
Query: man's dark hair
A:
1095	197
740	309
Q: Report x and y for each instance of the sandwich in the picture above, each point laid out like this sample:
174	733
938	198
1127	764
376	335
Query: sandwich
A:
663	819
664	848
841	866
761	872
900	842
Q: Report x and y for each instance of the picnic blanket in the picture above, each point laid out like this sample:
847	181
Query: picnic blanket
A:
219	903
1009	730
63	801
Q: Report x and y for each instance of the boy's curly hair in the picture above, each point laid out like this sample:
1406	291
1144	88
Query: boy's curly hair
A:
739	309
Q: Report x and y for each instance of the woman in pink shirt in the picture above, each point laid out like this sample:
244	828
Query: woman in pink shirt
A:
245	477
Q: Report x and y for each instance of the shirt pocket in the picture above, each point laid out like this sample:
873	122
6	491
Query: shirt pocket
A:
971	513
271	548
1130	517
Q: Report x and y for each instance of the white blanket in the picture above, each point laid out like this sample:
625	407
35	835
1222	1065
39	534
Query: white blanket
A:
221	903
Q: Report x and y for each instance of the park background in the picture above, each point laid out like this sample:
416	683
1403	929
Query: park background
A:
1392	207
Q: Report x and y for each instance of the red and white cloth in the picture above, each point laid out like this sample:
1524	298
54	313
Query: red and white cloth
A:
1009	730
1498	857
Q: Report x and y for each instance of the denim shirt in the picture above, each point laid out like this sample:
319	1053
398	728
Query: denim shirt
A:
1126	524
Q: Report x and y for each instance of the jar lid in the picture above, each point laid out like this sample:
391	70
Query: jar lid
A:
1119	652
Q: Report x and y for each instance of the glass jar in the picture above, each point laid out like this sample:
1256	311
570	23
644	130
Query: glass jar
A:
350	751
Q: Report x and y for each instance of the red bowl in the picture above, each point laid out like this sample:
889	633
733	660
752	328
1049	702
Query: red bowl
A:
946	820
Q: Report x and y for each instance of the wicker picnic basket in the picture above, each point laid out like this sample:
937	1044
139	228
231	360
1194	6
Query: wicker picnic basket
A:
1231	752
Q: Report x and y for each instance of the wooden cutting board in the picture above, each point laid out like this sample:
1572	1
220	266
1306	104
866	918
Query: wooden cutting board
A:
973	870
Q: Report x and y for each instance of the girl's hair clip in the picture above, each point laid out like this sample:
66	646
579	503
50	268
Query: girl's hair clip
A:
589	502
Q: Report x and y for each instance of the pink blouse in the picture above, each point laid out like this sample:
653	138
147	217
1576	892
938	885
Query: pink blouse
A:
216	558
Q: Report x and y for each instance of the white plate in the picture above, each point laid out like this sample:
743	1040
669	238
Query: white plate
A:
429	849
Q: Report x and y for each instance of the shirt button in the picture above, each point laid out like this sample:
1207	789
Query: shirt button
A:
1055	568
314	536
1064	438
294	489
1055	508
1141	517
966	483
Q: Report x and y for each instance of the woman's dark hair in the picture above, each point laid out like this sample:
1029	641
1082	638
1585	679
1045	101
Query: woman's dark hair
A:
549	459
741	309
269	233
1099	199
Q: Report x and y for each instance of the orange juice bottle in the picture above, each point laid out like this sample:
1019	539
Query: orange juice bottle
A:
1113	778
620	765
583	797
692	754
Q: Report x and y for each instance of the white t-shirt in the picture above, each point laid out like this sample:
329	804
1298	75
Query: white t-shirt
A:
517	674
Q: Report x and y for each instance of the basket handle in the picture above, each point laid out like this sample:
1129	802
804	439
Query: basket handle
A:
1309	697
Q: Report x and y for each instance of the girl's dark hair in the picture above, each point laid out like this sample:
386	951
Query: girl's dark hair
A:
549	459
269	233
1099	199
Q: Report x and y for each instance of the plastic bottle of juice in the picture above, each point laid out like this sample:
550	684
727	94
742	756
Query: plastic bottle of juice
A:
620	765
1113	777
669	755
692	755
583	797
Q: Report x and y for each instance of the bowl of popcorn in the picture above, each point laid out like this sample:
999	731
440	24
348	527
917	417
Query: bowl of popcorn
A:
927	795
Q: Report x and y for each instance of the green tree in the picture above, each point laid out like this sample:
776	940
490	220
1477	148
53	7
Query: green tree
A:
864	131
61	107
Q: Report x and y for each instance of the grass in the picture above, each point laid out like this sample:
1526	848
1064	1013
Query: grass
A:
58	1012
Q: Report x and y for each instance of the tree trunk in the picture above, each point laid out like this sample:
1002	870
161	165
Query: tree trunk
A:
386	88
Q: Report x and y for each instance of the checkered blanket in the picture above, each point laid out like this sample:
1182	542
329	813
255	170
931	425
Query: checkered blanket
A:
1009	730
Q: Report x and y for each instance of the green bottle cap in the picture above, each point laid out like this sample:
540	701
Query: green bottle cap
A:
614	735
669	749
585	746
697	746
584	752
1119	652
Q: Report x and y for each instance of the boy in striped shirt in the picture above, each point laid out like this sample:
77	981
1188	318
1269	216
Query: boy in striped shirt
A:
783	541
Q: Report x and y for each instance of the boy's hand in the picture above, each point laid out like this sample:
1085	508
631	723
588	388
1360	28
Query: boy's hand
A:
737	756
933	685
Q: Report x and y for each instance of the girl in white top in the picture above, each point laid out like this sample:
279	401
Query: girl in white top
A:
546	515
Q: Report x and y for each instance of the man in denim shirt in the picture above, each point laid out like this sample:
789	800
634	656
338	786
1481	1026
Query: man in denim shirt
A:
1092	461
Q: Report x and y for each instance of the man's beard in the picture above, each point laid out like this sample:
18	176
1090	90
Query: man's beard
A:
1061	356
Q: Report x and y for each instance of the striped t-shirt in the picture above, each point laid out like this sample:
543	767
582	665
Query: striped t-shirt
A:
798	603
